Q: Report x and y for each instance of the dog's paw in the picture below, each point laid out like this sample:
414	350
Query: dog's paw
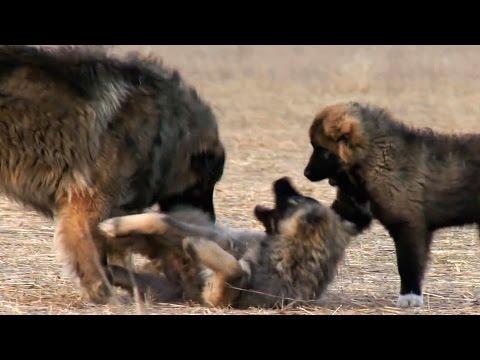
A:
410	300
108	227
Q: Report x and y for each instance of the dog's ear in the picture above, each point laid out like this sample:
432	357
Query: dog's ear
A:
265	216
338	128
209	165
263	213
348	134
346	128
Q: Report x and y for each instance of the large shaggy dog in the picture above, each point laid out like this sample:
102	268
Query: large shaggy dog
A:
295	259
85	135
417	181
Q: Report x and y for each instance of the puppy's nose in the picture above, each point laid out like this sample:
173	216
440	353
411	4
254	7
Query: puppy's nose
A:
306	173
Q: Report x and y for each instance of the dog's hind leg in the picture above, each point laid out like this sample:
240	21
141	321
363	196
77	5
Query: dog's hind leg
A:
222	270
211	255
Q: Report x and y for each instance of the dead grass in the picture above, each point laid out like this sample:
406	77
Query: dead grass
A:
265	98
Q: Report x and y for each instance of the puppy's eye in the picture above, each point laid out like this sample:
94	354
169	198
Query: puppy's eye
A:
293	202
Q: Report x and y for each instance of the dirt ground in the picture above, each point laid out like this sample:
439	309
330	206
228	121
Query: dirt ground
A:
265	98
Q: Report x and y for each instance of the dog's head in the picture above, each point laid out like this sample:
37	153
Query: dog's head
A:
338	139
206	170
292	211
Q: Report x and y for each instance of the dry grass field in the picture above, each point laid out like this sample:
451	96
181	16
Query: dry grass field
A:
265	98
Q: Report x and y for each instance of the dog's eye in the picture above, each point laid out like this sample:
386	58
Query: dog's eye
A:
293	202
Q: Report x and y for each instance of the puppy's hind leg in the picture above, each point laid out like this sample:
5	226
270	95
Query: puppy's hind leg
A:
222	269
211	255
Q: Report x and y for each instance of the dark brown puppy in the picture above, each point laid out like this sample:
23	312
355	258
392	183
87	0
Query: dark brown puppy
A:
417	181
85	135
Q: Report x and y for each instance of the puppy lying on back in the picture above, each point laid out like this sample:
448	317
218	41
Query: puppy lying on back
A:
295	259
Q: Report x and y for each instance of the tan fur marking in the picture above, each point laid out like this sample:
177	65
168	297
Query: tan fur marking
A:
147	223
214	257
74	238
214	290
333	123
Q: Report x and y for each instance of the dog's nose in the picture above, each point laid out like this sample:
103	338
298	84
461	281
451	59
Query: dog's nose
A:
306	173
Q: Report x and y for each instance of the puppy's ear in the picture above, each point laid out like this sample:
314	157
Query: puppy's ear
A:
265	216
262	211
348	134
346	128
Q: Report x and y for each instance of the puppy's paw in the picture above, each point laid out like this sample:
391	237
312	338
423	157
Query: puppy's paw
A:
410	300
109	227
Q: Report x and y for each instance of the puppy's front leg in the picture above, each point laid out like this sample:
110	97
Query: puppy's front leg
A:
145	223
160	224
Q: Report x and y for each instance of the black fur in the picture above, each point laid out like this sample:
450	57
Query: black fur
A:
416	180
